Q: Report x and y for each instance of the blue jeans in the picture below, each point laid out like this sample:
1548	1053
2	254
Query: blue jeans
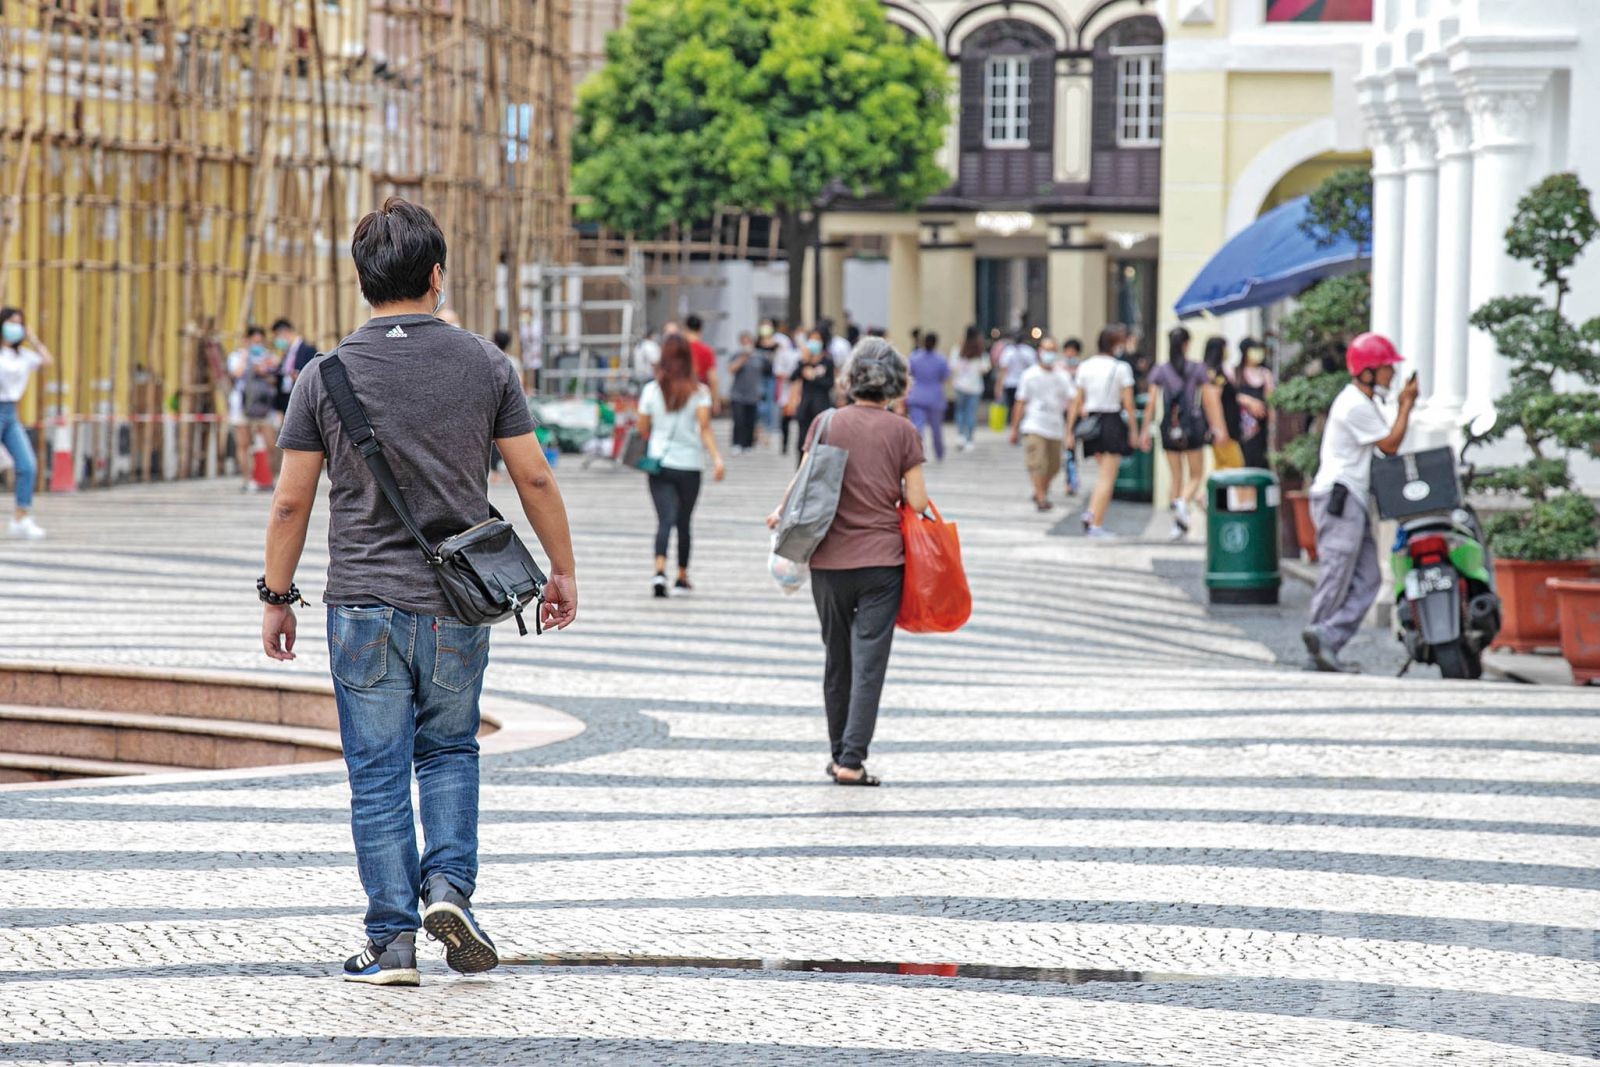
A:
765	414
407	688
14	439
967	414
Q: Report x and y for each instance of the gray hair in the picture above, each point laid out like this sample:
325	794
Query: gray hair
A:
875	371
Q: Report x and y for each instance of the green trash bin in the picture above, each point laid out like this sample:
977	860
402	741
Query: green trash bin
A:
1136	478
1242	537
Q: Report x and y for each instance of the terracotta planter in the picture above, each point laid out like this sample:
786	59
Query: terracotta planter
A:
1530	618
1579	604
1305	528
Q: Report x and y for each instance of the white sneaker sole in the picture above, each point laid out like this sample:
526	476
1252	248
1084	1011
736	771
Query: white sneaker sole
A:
392	976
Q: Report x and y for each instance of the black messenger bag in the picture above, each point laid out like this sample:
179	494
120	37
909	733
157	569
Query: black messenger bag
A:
486	572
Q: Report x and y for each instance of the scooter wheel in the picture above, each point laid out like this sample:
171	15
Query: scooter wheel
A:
1457	660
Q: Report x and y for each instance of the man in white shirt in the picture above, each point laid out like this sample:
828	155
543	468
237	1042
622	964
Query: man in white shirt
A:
1040	418
646	356
1357	429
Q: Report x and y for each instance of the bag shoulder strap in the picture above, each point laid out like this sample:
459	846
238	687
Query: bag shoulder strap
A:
823	422
353	417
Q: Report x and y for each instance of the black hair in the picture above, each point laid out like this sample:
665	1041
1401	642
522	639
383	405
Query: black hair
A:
694	323
282	324
1216	351
1072	343
8	313
502	340
930	341
396	249
1177	345
253	329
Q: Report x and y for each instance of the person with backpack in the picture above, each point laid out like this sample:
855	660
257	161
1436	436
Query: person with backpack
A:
675	420
1183	427
407	672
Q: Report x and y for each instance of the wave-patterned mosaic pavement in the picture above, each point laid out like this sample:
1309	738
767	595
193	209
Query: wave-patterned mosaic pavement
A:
1094	775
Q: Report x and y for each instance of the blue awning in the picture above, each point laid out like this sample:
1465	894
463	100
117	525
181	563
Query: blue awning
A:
1268	260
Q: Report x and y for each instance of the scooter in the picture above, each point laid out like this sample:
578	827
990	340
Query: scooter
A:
1446	609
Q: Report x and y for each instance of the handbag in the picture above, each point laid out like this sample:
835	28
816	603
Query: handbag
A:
935	598
635	452
486	573
1089	427
813	500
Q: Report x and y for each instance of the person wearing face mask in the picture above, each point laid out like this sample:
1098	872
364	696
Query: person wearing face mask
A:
1221	401
1071	356
811	385
250	403
1357	430
1040	420
1255	391
293	354
21	353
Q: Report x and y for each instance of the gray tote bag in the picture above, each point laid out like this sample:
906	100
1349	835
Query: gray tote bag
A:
809	510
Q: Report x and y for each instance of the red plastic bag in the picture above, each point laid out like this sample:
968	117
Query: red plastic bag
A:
936	599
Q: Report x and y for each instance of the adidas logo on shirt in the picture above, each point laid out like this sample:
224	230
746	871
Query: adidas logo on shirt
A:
395	331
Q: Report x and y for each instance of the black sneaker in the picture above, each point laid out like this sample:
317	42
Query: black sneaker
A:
447	917
394	964
660	586
683	585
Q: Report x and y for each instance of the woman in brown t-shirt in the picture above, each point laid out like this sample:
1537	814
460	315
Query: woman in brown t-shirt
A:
858	569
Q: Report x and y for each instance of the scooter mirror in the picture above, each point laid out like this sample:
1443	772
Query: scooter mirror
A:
1482	423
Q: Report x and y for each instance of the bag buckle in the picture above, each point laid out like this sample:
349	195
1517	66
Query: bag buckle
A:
368	446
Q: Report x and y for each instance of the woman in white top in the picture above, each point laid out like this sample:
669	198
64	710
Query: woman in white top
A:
675	418
969	366
21	353
1103	418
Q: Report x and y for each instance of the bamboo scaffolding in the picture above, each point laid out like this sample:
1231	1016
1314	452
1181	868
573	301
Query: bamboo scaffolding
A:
171	169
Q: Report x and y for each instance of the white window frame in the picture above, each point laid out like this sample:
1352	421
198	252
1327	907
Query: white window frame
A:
1138	108
1007	89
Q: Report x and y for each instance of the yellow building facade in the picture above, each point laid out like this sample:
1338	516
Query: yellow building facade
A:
1260	112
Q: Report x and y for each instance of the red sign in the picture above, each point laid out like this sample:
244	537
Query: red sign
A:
1319	10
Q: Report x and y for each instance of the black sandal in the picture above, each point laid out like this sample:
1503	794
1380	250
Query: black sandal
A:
865	779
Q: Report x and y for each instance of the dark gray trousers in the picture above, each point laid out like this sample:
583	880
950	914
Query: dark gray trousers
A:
857	609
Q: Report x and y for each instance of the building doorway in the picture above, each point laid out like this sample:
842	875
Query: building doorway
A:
1132	294
1012	292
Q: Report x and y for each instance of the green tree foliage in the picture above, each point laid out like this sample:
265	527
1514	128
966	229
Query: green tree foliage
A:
1553	224
1328	315
1341	206
774	106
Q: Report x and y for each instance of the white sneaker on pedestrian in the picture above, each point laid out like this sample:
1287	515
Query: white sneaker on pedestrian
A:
1180	512
25	529
1087	518
1100	533
1179	532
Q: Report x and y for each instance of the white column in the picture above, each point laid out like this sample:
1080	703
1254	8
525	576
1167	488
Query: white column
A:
1448	391
1501	103
1421	238
1388	210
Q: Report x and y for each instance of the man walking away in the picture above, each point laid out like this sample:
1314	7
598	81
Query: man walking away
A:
705	360
1347	556
406	674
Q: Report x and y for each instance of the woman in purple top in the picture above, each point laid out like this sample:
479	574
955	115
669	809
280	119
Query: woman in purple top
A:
925	402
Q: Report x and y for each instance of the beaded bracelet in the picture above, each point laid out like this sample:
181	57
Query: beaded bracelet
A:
269	597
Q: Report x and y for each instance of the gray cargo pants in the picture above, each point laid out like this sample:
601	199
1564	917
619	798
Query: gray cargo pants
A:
1348	577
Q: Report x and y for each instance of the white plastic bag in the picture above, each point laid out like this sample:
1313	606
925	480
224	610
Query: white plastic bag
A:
790	576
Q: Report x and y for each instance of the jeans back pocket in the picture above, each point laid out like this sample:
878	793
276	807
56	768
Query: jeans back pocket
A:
358	644
461	654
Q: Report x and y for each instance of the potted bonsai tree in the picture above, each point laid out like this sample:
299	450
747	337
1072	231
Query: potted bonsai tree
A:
1329	314
1554	408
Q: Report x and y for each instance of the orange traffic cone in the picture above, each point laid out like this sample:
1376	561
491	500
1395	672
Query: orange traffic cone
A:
63	478
261	474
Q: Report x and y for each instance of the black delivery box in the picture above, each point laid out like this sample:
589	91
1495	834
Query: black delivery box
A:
1416	483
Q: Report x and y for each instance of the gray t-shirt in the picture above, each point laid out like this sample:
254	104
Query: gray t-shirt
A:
437	397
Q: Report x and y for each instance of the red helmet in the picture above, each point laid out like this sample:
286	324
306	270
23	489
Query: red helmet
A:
1368	351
